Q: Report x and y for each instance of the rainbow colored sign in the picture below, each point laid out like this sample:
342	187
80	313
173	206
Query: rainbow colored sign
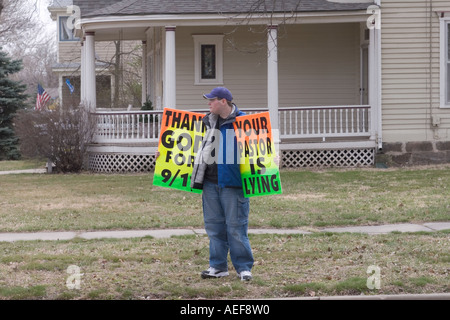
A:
256	148
182	133
181	137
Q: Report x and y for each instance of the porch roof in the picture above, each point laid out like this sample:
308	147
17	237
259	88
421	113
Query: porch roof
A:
156	7
76	66
60	4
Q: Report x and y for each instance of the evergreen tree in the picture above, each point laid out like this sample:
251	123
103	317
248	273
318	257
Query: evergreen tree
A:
12	98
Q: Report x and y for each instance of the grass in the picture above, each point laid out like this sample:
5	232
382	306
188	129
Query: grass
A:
21	164
285	265
310	199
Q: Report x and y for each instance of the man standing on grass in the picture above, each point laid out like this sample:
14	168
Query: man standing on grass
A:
225	209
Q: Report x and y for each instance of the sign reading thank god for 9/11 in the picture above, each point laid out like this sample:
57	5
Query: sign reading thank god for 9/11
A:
180	140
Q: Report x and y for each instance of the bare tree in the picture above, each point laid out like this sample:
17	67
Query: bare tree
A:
125	66
287	10
273	12
37	66
17	19
61	136
22	36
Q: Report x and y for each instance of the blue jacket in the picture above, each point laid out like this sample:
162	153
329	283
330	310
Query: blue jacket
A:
228	171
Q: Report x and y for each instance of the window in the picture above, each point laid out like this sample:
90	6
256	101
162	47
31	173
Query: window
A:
445	63
208	59
65	33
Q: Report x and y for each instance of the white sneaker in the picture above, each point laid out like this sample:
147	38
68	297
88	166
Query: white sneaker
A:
213	273
245	276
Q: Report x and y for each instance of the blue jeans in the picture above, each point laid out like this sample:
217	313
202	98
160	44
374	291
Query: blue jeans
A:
225	212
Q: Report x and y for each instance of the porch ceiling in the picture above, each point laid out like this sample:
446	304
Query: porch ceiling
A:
119	31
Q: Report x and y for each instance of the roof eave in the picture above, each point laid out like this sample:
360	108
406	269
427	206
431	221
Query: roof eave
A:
104	22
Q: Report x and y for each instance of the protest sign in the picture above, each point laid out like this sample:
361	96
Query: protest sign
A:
180	139
256	148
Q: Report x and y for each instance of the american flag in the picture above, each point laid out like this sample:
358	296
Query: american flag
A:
42	98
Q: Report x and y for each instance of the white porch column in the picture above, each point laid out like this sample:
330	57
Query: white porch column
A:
272	77
375	78
90	90
83	72
144	72
170	99
60	88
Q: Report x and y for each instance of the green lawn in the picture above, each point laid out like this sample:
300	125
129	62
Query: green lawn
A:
311	199
285	265
21	165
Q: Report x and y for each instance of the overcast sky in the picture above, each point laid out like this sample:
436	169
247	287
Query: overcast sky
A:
44	16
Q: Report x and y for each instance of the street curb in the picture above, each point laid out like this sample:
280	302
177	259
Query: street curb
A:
431	296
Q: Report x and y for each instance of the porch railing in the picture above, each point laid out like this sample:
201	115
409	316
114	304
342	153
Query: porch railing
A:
127	126
295	122
325	122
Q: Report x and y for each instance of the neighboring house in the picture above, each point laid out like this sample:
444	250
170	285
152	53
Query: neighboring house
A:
68	65
344	81
69	59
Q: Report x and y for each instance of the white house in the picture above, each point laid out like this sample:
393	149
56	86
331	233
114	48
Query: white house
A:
343	80
68	65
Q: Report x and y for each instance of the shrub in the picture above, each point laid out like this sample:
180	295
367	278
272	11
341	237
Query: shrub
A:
61	135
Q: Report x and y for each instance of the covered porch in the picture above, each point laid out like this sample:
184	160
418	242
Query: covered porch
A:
316	73
339	136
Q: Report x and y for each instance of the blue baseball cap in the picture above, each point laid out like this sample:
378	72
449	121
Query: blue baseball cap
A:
219	92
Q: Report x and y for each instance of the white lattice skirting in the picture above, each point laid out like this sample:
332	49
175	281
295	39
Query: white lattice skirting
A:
121	163
133	163
328	158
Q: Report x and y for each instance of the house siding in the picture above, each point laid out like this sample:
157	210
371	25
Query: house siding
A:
70	51
244	68
410	51
318	65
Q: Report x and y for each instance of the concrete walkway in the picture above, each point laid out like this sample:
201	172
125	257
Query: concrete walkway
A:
430	296
23	171
383	229
166	233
